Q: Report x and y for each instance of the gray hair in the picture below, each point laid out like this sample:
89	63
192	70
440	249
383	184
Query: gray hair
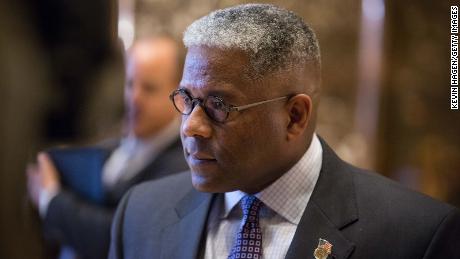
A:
274	38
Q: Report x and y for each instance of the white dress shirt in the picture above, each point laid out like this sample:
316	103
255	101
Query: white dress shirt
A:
284	202
134	154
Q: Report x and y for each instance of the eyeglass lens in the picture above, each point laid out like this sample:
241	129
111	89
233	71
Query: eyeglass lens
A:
213	106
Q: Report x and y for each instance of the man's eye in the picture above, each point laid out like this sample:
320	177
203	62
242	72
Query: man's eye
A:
149	88
187	100
217	105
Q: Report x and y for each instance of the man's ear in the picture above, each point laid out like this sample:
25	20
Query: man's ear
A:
300	110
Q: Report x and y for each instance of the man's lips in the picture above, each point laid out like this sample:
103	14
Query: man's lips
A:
200	156
198	153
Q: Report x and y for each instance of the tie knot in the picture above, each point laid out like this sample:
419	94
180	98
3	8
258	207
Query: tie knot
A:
251	206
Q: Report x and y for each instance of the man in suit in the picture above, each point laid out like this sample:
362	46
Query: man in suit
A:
262	184
150	150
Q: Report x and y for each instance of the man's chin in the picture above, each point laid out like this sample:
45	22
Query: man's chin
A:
207	184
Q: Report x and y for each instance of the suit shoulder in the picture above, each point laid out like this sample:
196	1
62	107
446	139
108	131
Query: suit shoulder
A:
382	195
167	190
172	184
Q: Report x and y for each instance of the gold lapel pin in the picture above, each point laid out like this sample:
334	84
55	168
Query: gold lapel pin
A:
323	250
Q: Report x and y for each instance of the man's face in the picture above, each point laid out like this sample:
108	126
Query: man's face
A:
149	83
243	153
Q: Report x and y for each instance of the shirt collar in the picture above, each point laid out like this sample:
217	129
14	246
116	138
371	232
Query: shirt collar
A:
155	144
288	196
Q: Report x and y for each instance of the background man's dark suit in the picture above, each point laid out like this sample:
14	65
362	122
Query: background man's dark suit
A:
151	142
85	226
361	214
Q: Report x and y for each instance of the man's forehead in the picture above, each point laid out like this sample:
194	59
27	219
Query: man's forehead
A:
203	88
215	70
219	62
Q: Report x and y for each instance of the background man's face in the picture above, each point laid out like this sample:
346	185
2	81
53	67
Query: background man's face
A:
150	80
243	152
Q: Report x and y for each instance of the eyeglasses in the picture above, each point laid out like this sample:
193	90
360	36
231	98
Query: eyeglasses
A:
214	106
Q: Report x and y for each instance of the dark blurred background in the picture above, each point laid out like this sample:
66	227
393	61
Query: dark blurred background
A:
385	105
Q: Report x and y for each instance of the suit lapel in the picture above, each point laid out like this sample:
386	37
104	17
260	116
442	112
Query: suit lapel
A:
184	238
332	207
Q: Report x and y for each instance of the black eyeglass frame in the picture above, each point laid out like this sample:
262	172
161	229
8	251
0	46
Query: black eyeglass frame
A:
228	107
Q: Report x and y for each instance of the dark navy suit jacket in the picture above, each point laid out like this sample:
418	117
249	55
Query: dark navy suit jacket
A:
362	214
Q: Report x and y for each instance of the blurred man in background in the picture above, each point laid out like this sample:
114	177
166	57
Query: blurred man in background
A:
150	149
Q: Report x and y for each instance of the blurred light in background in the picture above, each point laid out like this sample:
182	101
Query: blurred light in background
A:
369	78
373	10
126	27
126	32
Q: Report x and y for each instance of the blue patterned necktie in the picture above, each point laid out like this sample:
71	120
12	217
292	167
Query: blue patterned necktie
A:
248	243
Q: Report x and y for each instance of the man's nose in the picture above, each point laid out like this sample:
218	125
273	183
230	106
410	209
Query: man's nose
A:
196	124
